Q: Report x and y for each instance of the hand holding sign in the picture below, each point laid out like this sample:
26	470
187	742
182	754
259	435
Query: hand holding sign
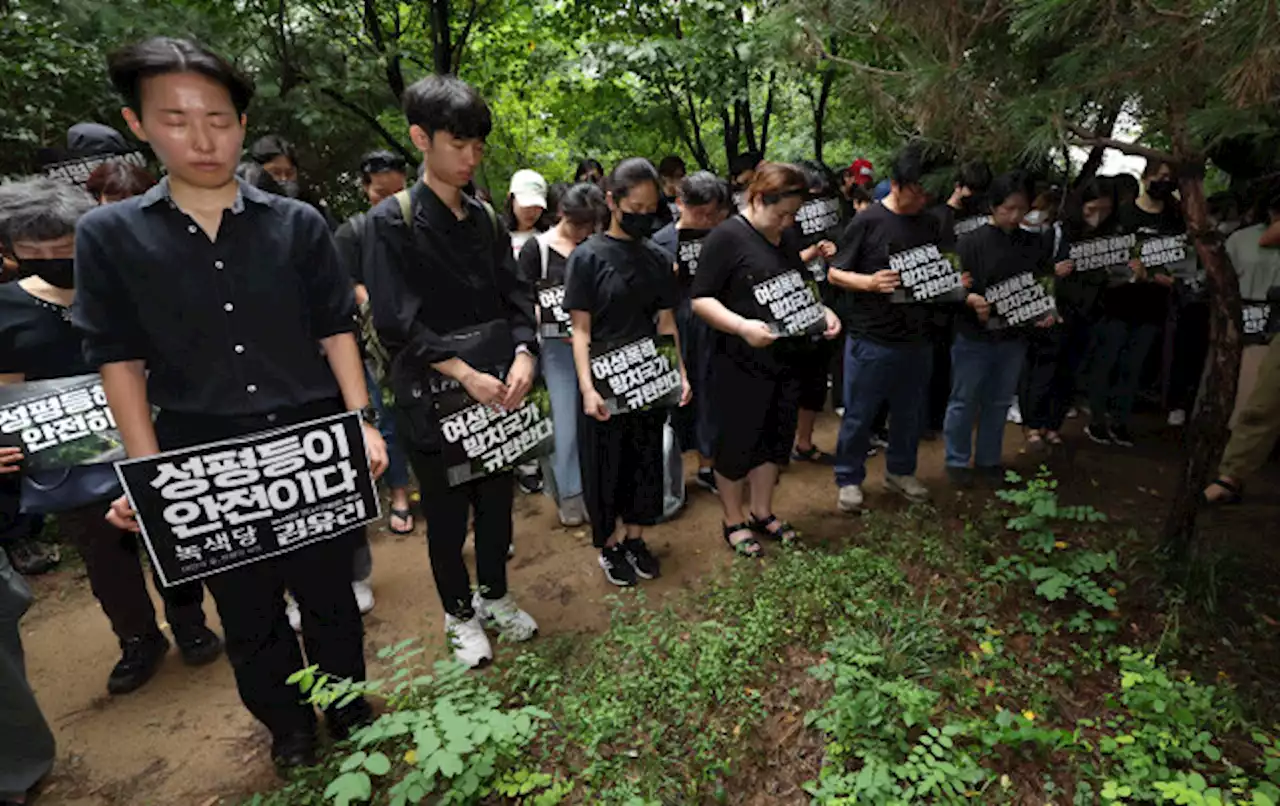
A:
519	381
884	281
484	388
10	460
122	516
756	333
1139	270
1064	267
593	405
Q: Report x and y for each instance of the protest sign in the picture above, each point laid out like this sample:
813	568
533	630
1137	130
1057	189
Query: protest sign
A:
688	253
76	171
790	305
964	226
1112	252
553	319
210	508
1023	299
1258	322
818	219
636	375
927	275
59	423
479	440
1157	252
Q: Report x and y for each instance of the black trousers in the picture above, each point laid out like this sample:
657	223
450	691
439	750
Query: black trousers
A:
622	469
261	646
447	511
114	568
757	413
1044	392
1189	350
813	369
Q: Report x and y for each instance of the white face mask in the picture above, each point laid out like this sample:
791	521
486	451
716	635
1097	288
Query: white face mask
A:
1035	218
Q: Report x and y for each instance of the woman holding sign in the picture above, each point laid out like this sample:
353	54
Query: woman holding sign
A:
542	265
751	286
1005	298
621	295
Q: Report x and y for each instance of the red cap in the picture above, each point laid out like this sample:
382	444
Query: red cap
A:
861	171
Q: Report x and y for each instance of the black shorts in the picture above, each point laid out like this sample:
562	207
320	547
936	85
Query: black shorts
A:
755	415
813	369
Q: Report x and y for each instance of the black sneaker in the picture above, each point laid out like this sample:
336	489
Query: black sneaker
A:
1098	433
642	561
617	569
1121	436
342	721
960	477
140	659
530	480
294	749
706	479
198	645
880	439
991	474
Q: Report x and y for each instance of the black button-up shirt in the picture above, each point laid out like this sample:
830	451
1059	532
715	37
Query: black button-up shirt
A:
225	327
447	275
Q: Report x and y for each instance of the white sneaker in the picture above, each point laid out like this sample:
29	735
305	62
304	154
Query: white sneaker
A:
572	512
908	486
850	499
295	615
506	616
364	596
1178	418
1015	413
470	644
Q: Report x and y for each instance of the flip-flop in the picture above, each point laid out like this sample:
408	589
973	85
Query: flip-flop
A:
813	454
405	515
784	532
747	547
1235	494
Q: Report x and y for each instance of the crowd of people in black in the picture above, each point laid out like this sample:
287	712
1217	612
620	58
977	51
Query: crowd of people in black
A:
219	302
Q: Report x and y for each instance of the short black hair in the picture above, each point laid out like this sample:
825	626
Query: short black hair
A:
161	55
1006	185
586	165
703	187
583	203
859	195
448	104
1152	167
270	146
746	161
975	175
1126	182
381	161
671	165
822	182
630	173
909	165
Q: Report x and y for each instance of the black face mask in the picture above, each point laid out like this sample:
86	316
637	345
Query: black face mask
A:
638	225
1162	189
57	272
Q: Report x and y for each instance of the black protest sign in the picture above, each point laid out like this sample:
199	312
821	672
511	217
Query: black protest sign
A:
637	375
59	423
1113	253
818	219
963	226
479	440
1023	299
1258	322
553	319
927	275
207	509
1158	252
688	253
76	171
789	304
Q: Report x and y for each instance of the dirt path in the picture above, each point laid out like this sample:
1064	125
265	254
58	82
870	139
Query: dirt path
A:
186	739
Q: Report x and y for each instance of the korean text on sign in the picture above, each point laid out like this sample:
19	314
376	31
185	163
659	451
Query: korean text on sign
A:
553	319
1018	301
792	307
926	275
1102	253
480	440
207	509
635	376
45	415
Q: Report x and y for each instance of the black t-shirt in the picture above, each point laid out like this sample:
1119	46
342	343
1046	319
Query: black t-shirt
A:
735	259
529	264
347	241
666	239
622	284
992	255
1144	302
37	338
870	238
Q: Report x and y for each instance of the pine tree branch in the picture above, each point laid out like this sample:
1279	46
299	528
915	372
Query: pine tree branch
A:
829	56
1088	139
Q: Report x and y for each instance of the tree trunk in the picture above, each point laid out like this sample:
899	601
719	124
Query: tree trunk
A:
441	42
732	129
1207	430
768	115
820	113
1106	125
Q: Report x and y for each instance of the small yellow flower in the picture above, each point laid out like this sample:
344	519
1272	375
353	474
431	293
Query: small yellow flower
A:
1222	675
1112	591
1060	544
411	757
1030	716
987	648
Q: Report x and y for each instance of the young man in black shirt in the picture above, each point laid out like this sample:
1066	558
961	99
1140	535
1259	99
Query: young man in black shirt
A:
226	308
448	304
888	355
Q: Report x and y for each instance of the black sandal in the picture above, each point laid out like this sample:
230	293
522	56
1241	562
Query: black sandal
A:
405	515
747	547
784	533
1235	494
814	455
